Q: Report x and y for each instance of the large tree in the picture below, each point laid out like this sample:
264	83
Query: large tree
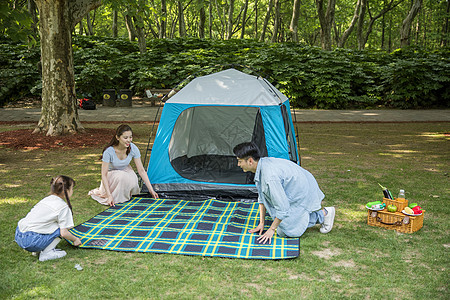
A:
405	31
326	19
57	19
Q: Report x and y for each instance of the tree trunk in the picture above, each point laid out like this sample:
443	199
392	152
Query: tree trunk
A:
163	23
276	24
90	30
130	27
32	10
406	25
350	28
182	25
326	19
59	113
230	20
201	23
210	17
445	27
114	24
266	21
81	28
293	27
360	29
256	19
139	25
363	38
244	19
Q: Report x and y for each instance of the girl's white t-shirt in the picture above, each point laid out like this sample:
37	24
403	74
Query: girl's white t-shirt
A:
47	215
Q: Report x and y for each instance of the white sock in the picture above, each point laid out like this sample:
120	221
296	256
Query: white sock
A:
52	245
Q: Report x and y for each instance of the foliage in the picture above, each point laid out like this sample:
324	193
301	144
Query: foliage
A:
18	71
15	24
309	76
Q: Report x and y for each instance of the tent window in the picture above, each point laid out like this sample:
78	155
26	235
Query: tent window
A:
201	146
290	137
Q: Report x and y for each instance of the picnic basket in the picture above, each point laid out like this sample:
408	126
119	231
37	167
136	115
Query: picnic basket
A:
395	220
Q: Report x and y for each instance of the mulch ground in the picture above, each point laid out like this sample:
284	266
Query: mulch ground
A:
24	139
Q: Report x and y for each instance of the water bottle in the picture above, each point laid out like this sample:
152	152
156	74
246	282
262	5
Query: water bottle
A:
401	195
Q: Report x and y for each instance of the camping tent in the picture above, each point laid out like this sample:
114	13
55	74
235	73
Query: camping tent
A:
200	125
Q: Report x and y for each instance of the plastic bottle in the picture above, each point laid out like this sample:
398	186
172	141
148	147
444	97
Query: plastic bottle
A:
401	195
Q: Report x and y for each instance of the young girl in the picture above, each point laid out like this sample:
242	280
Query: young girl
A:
119	181
50	219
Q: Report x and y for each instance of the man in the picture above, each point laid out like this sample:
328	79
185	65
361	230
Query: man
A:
289	193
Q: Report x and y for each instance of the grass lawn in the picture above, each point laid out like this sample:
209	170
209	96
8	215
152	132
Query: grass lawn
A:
353	261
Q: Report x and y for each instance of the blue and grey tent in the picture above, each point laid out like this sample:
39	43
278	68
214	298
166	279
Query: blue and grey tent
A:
199	126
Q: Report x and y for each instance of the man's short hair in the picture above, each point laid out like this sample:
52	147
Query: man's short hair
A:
246	150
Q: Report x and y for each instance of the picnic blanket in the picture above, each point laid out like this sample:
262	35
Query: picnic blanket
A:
208	228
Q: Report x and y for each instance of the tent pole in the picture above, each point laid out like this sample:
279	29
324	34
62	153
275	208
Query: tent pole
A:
297	136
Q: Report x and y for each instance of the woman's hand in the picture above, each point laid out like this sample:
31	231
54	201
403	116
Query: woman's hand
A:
154	194
110	200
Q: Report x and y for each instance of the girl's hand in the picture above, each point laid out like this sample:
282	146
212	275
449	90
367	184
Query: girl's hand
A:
110	201
77	242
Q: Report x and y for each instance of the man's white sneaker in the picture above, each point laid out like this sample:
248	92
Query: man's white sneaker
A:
328	220
52	254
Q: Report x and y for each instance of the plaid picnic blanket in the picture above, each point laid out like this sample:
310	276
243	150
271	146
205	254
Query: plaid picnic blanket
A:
208	228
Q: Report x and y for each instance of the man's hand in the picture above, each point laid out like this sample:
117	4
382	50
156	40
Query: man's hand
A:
267	236
258	229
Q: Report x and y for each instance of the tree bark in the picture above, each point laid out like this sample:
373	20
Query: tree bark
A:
139	25
326	19
293	27
350	28
266	21
182	25
114	24
163	22
90	30
360	27
276	24
130	27
230	20
32	10
201	23
445	27
59	113
210	17
244	19
406	25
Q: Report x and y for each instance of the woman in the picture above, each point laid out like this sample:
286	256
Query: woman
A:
119	181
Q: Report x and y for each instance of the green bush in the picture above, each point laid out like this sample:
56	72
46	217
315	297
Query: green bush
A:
18	71
309	76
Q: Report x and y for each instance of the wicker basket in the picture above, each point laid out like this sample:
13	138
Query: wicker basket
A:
395	220
400	203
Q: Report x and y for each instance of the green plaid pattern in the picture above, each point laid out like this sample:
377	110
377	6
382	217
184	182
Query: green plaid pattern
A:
208	228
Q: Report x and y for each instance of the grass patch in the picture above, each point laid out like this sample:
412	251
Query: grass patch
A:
352	261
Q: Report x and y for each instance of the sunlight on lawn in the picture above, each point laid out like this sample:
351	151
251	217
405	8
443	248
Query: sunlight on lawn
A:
348	215
87	156
36	292
14	200
435	135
